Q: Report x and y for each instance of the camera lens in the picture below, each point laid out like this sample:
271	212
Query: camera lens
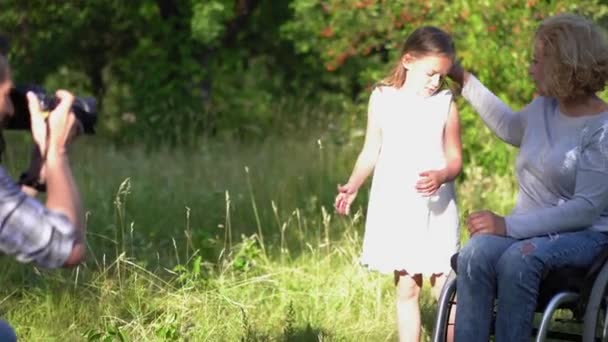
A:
47	102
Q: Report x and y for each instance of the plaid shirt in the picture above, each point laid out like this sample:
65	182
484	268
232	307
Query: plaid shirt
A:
31	232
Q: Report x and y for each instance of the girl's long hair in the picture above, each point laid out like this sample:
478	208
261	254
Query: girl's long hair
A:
424	41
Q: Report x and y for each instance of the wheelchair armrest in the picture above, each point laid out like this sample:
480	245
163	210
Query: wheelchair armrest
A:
454	262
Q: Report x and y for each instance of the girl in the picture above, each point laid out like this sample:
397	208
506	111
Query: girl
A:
413	142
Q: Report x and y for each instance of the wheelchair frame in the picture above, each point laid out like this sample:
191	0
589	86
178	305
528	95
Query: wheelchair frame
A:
594	322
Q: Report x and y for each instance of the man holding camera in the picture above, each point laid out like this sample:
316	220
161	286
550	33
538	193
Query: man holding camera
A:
52	234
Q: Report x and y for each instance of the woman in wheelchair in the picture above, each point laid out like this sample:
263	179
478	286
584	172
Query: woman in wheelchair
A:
561	213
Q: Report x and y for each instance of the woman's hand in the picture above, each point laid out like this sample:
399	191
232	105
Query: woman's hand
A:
346	196
458	74
486	222
430	181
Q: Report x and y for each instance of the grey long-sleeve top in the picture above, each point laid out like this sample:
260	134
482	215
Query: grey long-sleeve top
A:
562	165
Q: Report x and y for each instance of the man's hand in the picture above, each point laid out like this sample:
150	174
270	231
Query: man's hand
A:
59	128
65	127
61	121
38	122
33	180
486	222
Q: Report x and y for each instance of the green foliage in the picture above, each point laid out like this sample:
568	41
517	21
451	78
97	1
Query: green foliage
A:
172	71
111	334
208	19
246	255
494	40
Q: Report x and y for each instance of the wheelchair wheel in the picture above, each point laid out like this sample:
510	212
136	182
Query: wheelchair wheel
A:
444	308
595	325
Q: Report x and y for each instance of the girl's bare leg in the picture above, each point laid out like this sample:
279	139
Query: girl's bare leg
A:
408	309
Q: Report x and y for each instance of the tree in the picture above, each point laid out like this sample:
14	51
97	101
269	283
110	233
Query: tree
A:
493	39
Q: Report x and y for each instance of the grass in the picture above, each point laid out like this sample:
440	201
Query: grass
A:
224	242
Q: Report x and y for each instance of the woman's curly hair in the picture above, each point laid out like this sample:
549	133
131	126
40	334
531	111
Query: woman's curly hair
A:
575	52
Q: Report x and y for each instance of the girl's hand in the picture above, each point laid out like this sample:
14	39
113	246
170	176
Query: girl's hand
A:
486	222
346	196
430	181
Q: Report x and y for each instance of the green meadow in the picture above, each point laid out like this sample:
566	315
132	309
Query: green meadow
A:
220	242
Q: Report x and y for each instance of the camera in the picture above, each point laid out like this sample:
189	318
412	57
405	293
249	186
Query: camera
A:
84	108
47	102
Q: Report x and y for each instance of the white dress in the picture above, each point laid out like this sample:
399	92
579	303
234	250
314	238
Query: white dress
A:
404	230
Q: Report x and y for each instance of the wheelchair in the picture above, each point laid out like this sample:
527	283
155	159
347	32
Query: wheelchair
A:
583	292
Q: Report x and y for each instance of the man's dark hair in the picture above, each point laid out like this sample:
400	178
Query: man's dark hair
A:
4	69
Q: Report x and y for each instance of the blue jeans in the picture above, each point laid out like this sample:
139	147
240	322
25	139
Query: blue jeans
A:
492	267
7	334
